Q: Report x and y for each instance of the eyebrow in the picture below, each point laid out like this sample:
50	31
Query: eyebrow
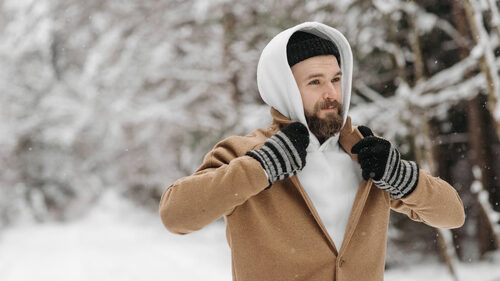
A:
314	75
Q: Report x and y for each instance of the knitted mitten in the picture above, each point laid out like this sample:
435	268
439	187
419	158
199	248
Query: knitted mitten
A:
381	161
283	154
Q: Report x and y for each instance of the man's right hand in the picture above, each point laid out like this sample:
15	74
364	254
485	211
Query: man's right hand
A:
283	154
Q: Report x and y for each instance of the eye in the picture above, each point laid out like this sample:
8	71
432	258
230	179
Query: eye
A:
336	79
314	82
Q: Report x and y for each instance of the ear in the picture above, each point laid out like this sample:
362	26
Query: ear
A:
365	131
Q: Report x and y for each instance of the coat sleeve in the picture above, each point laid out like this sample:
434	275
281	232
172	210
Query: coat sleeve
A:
222	182
433	202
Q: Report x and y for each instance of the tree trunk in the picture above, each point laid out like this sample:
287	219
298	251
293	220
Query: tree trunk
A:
482	156
481	127
424	150
487	63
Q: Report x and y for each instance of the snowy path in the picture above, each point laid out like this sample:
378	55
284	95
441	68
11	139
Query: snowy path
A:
118	241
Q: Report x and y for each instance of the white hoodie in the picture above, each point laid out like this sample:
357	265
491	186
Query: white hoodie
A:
330	178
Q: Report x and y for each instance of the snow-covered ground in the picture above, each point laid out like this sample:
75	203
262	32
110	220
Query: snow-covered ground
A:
118	241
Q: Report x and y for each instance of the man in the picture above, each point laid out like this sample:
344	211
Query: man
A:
309	197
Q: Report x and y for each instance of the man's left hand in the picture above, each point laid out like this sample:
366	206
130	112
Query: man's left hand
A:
381	161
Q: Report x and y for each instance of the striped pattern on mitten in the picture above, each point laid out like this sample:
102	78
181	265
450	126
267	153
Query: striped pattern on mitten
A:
381	161
283	154
400	176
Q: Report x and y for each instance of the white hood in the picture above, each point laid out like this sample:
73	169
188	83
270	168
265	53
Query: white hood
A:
277	85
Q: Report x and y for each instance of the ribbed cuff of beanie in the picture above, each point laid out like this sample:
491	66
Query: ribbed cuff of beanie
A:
303	45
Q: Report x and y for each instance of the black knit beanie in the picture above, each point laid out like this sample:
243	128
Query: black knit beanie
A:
303	45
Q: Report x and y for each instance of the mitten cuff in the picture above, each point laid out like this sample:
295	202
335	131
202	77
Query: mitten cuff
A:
266	164
402	181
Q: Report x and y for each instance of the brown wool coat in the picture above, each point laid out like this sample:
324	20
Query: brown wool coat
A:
276	234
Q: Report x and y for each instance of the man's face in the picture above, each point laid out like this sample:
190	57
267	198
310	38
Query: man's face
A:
319	82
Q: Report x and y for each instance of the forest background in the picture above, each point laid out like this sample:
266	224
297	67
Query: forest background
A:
128	96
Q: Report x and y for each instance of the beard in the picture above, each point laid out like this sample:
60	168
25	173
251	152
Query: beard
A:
329	125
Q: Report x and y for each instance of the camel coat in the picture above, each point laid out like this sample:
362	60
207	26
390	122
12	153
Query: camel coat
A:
276	234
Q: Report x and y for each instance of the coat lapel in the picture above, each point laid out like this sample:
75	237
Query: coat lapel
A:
349	136
315	214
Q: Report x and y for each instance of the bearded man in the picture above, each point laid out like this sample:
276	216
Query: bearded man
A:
309	197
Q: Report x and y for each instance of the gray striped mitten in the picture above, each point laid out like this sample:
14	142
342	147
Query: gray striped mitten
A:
283	154
382	162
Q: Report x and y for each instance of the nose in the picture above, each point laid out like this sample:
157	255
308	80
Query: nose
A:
331	92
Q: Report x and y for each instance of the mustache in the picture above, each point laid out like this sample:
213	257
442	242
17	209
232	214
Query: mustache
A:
327	104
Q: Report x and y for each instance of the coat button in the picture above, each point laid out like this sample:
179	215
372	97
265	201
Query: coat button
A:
341	262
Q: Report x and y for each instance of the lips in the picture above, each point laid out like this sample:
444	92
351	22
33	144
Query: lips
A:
329	108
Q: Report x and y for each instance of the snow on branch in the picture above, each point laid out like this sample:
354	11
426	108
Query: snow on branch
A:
425	21
436	95
371	94
495	17
488	65
482	194
393	49
450	95
447	77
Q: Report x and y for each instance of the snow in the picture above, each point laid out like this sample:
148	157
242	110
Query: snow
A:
131	96
484	41
386	6
495	17
115	241
451	75
478	272
483	199
119	241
